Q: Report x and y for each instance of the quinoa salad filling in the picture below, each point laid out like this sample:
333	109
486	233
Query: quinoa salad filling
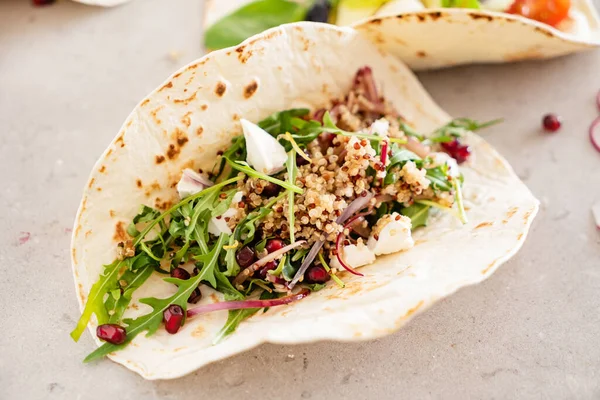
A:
293	203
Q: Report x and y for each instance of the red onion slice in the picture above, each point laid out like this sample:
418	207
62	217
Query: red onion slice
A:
340	258
595	134
247	272
598	99
417	147
196	177
357	204
241	304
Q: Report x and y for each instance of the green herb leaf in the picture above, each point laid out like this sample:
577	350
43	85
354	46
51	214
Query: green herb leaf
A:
418	214
281	122
146	214
236	317
292	171
210	261
461	4
150	322
439	178
457	128
245	168
315	287
134	280
251	19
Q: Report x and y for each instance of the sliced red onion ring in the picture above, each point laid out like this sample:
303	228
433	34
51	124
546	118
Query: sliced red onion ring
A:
240	304
355	222
196	177
357	204
247	272
595	134
598	99
417	147
340	258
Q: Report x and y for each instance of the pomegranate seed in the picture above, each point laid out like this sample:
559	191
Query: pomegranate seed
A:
271	190
173	318
180	273
42	2
245	256
551	122
316	274
270	266
111	333
300	161
274	245
457	151
195	296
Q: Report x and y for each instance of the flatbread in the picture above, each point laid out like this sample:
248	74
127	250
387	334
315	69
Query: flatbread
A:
196	112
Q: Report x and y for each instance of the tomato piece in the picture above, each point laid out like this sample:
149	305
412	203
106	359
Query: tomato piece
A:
550	12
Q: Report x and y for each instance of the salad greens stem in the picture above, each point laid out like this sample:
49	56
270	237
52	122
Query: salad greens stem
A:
330	127
459	201
292	170
246	169
441	207
188	199
337	280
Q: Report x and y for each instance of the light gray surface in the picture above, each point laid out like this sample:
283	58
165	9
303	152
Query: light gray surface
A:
70	74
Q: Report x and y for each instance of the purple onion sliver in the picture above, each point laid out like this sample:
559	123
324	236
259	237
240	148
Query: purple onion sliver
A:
595	134
306	263
241	304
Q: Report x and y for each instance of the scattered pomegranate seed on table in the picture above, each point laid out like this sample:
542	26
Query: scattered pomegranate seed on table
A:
173	318
551	122
111	333
42	2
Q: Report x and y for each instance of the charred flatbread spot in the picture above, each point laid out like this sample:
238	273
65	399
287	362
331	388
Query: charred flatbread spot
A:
160	204
236	117
129	123
185	101
111	213
91	183
167	85
480	16
421	54
193	66
484	224
250	89
203	107
138	182
120	233
98	189
173	152
409	313
199	131
180	137
198	332
520	236
177	75
155	185
421	17
154	113
220	89
376	21
435	15
185	120
120	140
159	159
74	254
145	102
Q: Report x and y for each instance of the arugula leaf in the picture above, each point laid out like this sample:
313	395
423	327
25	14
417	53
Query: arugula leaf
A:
235	317
292	171
95	302
457	128
409	131
134	280
236	152
439	178
146	214
245	168
315	287
277	271
223	205
225	287
418	214
109	277
251	19
289	270
209	261
458	196
330	127
151	321
281	122
233	267
400	156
